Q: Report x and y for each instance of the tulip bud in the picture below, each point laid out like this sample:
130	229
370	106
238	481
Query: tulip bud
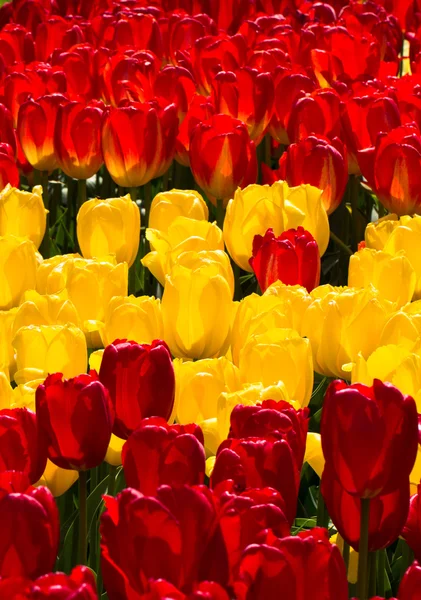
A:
59	402
222	156
167	206
107	227
22	214
410	587
411	533
79	584
200	109
140	380
138	319
49	349
18	265
201	298
37	309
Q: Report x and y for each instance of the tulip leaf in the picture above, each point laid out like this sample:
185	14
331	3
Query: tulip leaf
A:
94	501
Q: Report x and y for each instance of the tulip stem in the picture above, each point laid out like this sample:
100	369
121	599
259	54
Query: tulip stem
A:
147	200
345	555
362	585
340	243
81	192
372	578
133	193
111	480
83	526
322	515
220	213
381	567
44	183
354	190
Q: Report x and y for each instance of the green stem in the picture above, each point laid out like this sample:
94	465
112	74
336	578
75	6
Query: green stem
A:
340	243
147	199
112	480
81	192
372	570
407	557
322	516
345	555
355	186
381	567
44	183
83	526
268	150
382	210
362	585
220	213
133	193
165	180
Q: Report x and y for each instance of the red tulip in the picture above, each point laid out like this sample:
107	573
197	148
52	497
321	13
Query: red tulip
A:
369	437
16	44
388	513
81	67
7	131
228	16
410	587
9	172
35	129
77	139
317	113
183	32
56	32
140	380
200	109
246	95
157	454
303	566
175	85
138	142
319	162
292	258
140	31
411	533
222	156
29	523
76	418
22	448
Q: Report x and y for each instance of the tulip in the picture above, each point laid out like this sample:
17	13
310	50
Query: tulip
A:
403	327
107	227
183	235
378	232
389	452
18	265
388	513
43	349
37	309
128	78
79	66
392	276
190	543
35	130
200	109
409	588
138	319
292	258
29	521
22	214
138	142
202	298
160	454
320	162
279	355
316	113
267	568
255	209
48	266
55	586
23	396
62	405
222	156
77	139
281	306
167	206
21	446
140	381
57	480
9	173
198	386
7	353
411	532
356	317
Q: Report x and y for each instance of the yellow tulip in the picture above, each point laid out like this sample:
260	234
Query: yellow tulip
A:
257	207
45	349
353	558
378	232
37	309
281	306
415	476
49	265
7	353
113	456
95	360
24	394
137	319
403	328
392	276
314	454
109	226
193	260
18	267
198	386
58	480
342	322
279	355
23	213
6	391
196	309
183	235
167	206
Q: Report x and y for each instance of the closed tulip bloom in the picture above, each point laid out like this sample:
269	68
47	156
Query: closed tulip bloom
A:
279	355
56	479
403	327
9	173
109	226
198	385
410	587
281	306
292	258
267	568
22	214
342	322
18	266
48	266
138	141
138	319
38	309
35	130
77	139
203	299
411	533
43	349
392	275
62	407
161	454
140	380
167	206
7	353
222	156
59	586
369	437
200	109
29	521
22	448
378	232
